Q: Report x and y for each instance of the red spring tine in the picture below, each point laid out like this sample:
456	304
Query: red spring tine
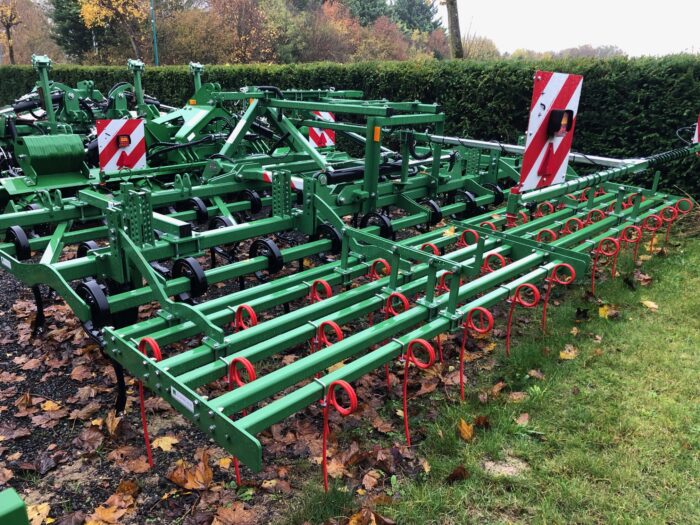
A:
234	376
486	265
390	311
626	237
442	284
411	358
238	321
523	216
552	235
687	205
373	275
652	223
518	299
609	247
322	335
433	248
315	296
546	204
566	230
485	324
146	344
488	224
462	242
595	212
556	278
331	401
584	197
669	214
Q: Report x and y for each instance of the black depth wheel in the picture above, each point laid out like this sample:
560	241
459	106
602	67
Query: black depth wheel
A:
386	230
94	296
497	193
189	267
85	246
267	248
17	236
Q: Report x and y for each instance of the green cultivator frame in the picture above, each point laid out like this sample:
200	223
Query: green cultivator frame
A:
253	240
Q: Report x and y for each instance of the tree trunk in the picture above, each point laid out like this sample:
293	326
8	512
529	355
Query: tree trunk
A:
10	45
453	26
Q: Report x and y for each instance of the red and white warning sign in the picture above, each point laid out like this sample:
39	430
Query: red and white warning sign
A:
121	144
322	138
550	130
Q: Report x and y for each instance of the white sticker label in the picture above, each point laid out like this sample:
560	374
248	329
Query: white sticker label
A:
180	398
7	263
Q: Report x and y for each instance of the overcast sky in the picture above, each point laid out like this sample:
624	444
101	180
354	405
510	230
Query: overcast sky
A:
642	27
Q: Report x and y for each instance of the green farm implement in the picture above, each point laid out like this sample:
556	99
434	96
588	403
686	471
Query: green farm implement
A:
269	222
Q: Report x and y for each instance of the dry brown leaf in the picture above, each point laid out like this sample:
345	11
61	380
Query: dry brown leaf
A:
460	473
81	373
197	477
370	480
516	397
536	374
466	431
165	443
523	419
50	406
112	422
236	514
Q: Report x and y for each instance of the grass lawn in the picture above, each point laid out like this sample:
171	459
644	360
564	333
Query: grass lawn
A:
613	435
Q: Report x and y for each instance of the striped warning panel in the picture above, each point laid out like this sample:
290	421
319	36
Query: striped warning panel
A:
550	130
121	144
322	138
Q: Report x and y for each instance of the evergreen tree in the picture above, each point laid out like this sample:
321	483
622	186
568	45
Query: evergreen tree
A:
416	14
367	11
69	32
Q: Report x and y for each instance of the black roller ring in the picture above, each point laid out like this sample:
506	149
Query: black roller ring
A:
436	215
253	197
85	246
386	230
469	199
189	267
17	236
326	231
94	296
498	195
269	249
199	207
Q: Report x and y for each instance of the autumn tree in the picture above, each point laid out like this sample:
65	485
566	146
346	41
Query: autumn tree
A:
9	19
332	34
477	47
128	15
243	33
383	40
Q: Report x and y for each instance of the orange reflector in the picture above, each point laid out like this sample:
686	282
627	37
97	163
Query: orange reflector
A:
377	133
123	141
192	102
250	101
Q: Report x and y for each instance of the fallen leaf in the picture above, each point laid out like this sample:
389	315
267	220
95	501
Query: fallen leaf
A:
225	463
81	373
482	422
496	389
89	439
536	374
38	513
112	422
607	311
651	305
50	406
574	331
109	514
466	431
370	480
516	397
236	514
198	477
165	443
568	353
460	473
523	419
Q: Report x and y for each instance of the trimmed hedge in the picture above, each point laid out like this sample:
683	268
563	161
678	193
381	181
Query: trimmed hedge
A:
629	107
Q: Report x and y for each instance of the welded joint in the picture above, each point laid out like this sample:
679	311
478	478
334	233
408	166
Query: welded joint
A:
432	307
454	318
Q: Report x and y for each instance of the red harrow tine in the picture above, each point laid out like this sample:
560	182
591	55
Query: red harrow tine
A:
632	235
668	214
433	248
518	299
652	224
144	345
373	275
330	400
315	296
610	248
390	311
239	323
566	230
234	377
408	359
546	204
486	265
485	325
551	233
552	279
488	224
462	242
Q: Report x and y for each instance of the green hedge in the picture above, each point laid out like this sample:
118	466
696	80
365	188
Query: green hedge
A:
629	107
